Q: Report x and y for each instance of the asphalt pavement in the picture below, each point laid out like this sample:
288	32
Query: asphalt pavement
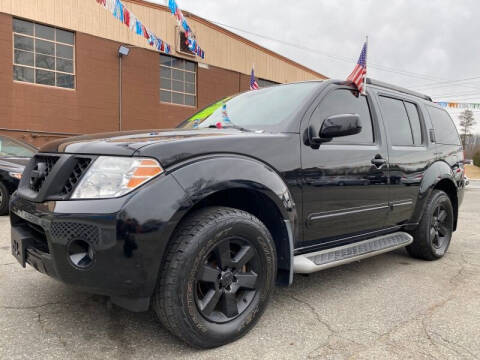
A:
387	307
474	184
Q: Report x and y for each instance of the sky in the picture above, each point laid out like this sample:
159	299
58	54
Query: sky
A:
432	46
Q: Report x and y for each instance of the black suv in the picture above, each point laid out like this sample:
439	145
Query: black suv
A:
201	221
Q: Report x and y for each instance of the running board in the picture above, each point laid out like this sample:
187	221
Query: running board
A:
321	260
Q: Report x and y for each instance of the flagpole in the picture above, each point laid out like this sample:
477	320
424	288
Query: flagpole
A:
366	69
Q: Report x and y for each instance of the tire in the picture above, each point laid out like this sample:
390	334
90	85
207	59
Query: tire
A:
4	199
205	295
433	235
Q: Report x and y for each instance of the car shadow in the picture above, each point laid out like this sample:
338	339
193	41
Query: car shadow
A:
90	322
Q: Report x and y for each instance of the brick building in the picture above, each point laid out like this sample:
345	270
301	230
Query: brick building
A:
60	70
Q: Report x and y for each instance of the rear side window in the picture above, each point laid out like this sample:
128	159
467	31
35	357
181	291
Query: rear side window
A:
340	102
414	118
445	130
396	118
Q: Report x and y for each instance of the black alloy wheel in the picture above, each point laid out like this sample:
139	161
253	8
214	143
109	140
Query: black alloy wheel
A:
227	282
217	277
440	233
434	232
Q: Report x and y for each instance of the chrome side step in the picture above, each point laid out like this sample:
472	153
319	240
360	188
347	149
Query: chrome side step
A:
321	260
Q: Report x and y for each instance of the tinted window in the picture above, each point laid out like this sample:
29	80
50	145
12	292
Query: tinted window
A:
414	117
445	130
396	119
346	102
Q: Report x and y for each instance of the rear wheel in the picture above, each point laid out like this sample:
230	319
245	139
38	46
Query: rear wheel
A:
434	233
217	278
4	199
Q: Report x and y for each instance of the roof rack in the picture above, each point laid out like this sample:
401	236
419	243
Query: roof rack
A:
398	88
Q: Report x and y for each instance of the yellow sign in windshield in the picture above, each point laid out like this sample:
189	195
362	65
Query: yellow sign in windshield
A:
205	113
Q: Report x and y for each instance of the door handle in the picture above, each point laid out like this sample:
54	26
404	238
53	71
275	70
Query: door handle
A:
379	161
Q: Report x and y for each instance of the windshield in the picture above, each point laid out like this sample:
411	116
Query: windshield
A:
262	109
13	148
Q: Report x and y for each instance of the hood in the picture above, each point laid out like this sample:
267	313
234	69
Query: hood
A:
123	143
13	163
168	146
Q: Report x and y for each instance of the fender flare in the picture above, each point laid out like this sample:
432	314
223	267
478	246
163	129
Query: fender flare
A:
436	172
205	176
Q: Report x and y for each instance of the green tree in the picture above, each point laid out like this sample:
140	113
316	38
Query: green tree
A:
467	121
476	159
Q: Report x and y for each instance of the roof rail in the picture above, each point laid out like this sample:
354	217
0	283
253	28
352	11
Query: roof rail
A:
398	88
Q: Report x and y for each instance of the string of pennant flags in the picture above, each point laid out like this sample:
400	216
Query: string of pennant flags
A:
455	105
191	41
118	9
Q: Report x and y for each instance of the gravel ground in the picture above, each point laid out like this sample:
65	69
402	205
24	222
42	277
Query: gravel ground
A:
388	307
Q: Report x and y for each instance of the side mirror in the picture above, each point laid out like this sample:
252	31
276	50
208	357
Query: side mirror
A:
338	126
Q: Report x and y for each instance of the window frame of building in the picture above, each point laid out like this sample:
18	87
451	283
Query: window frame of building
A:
37	40
164	88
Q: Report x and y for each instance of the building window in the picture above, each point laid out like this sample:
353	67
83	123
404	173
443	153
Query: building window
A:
265	83
43	54
178	81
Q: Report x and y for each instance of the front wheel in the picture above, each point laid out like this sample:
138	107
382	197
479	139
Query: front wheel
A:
217	278
4	199
434	233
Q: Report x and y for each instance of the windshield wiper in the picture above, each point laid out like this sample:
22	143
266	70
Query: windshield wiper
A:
232	126
241	128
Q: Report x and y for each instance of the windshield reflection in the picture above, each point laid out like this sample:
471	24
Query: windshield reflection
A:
261	109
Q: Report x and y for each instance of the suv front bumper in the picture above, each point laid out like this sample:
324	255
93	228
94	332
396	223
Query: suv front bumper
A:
127	237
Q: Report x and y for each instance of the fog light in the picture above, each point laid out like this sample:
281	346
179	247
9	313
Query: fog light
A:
81	254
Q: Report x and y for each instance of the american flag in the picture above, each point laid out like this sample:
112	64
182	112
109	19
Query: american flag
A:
253	82
360	72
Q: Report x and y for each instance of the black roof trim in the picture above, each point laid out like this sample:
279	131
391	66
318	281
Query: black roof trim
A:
398	88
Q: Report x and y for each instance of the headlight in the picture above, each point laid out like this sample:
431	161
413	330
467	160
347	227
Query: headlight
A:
110	177
15	175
